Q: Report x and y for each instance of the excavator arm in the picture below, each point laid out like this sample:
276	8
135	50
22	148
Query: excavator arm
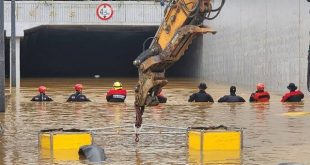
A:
183	22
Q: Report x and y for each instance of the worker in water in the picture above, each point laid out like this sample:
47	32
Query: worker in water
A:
232	97
260	95
42	96
117	94
294	95
201	96
78	96
160	96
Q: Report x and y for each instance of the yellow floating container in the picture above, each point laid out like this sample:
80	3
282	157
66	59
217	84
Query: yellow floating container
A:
59	155
214	138
214	157
62	144
215	145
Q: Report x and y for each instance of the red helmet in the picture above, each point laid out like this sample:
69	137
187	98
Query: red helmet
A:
78	87
260	86
42	89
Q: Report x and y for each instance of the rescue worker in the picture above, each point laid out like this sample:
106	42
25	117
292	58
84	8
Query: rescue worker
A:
201	96
294	95
260	95
117	94
160	96
232	97
78	96
42	96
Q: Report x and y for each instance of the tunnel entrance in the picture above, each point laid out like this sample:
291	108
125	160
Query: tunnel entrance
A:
85	51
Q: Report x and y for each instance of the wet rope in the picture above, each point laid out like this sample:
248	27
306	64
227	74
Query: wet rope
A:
105	128
146	133
210	127
160	126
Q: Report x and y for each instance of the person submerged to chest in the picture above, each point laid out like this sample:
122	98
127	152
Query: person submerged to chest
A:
202	95
232	97
117	94
77	96
42	96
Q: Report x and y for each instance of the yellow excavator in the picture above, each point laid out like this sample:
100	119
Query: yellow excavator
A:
183	21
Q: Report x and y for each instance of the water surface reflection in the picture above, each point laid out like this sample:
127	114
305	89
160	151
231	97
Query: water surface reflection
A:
274	132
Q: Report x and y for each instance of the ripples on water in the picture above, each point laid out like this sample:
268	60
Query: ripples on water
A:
271	135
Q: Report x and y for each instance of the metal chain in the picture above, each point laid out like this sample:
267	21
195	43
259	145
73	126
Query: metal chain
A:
139	113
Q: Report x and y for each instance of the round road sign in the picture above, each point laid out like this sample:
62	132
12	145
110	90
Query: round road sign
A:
104	11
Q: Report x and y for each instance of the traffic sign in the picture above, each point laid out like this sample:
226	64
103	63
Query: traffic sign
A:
104	11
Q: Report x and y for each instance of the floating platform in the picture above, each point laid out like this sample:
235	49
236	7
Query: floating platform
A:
296	114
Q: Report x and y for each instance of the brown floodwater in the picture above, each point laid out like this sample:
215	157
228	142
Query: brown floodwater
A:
271	135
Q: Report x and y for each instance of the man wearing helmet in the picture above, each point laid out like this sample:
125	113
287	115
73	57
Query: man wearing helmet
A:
294	95
201	96
117	94
260	95
42	96
78	96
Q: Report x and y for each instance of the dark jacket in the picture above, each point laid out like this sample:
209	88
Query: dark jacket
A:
293	96
259	96
116	95
41	97
200	96
231	98
77	97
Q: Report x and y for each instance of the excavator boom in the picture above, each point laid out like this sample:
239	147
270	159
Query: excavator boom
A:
183	22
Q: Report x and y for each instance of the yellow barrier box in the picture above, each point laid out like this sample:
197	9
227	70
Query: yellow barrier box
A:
214	138
214	157
62	144
215	145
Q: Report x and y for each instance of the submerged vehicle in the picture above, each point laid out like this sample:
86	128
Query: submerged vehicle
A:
183	21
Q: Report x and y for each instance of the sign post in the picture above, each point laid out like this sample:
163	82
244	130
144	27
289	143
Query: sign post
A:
2	63
13	46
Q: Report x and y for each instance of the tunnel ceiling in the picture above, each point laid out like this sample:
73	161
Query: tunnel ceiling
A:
85	51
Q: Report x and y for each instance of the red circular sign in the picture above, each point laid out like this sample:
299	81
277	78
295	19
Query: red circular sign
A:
104	11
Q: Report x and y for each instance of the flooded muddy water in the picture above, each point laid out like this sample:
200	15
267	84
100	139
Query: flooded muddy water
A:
271	134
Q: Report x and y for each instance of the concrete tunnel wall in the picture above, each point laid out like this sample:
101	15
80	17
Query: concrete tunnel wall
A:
84	51
7	56
259	41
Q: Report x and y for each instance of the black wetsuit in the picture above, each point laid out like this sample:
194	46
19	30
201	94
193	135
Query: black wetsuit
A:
78	97
200	96
41	97
231	98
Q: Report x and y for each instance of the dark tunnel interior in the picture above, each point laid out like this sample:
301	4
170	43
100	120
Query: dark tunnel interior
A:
85	51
